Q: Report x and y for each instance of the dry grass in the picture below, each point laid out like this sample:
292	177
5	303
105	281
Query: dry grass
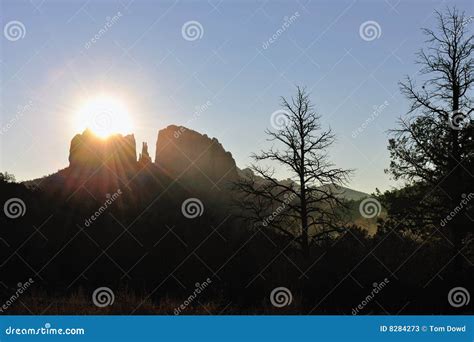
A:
129	303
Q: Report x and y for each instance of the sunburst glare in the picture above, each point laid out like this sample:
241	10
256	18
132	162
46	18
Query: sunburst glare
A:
104	116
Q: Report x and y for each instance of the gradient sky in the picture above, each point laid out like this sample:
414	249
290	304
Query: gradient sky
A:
162	78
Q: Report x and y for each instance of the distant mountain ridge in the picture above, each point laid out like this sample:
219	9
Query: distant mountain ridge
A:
341	191
347	193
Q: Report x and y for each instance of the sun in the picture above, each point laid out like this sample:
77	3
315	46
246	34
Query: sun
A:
104	116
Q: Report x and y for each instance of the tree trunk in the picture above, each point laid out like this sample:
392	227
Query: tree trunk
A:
304	231
455	188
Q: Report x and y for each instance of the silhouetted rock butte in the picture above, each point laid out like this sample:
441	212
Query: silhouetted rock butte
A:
89	151
182	153
194	156
144	158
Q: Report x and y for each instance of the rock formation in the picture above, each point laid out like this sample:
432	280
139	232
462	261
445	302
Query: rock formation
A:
181	154
89	151
144	158
192	156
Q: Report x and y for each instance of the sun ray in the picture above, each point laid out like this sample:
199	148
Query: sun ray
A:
104	116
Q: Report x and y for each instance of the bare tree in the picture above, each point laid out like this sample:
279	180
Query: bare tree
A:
434	143
304	207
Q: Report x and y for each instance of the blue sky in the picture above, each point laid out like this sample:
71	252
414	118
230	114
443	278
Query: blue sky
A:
143	60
